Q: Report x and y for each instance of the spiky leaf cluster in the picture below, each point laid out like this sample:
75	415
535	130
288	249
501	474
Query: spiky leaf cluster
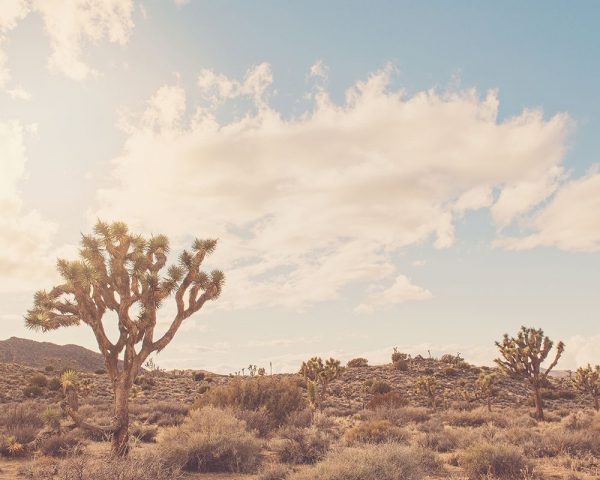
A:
523	355
587	380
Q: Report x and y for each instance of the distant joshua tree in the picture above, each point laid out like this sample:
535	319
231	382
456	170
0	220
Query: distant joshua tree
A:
587	380
486	386
318	373
121	271
522	357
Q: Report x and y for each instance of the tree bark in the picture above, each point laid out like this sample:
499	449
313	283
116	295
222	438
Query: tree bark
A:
537	400
120	439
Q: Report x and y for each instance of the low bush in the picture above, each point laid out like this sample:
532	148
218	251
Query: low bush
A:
387	400
375	431
358	362
475	418
210	440
372	462
443	440
54	384
402	416
278	397
86	467
494	460
300	445
39	380
380	387
199	376
163	414
274	471
143	432
32	391
61	445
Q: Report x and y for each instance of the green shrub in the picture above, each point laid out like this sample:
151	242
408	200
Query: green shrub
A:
48	368
100	371
199	376
492	459
278	397
210	440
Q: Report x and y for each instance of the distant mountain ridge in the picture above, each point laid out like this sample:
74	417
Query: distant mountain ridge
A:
41	354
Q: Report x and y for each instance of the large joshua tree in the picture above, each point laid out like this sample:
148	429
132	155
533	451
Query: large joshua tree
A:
122	272
523	356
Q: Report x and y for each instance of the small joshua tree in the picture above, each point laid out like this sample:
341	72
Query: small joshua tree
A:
522	357
486	386
400	360
121	272
318	373
428	386
587	380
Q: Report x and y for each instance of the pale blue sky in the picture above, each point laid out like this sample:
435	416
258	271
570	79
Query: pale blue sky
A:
536	55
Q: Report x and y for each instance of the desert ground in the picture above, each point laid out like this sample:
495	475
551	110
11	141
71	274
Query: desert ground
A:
369	422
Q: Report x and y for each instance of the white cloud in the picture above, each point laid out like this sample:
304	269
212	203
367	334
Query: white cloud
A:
309	205
70	25
319	70
24	235
400	291
571	221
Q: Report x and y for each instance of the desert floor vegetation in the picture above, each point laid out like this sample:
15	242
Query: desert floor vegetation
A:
184	425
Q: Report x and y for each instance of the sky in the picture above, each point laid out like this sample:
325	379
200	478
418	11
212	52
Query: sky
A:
415	174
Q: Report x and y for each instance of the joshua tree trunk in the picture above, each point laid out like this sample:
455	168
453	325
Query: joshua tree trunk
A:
489	403
537	400
120	439
596	404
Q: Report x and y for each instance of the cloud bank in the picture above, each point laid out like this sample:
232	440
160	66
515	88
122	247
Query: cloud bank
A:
308	206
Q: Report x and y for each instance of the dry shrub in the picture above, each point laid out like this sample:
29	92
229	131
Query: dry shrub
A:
358	362
39	380
388	461
85	467
278	397
375	431
62	445
19	423
387	400
402	416
380	387
258	420
210	440
274	471
494	460
301	418
443	440
576	443
300	445
163	414
475	418
143	432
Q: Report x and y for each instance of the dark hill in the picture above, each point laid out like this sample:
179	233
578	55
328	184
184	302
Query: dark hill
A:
41	354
